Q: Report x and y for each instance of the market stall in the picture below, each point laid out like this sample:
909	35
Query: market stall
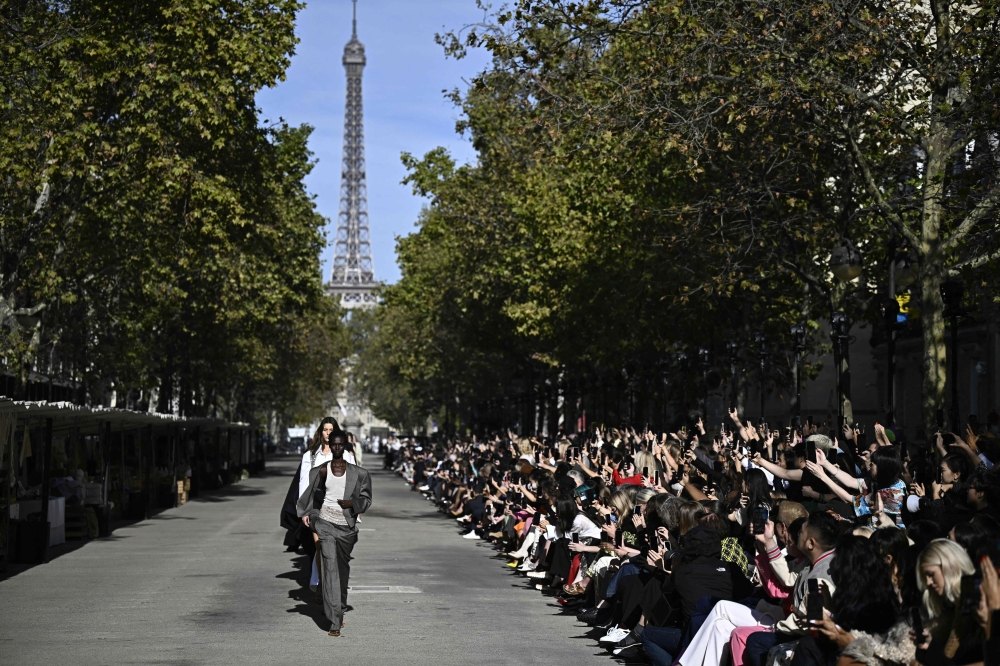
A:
71	472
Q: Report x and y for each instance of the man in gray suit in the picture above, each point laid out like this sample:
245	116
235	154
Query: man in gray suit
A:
338	492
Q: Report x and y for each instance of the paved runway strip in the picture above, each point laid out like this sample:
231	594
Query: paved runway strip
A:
208	583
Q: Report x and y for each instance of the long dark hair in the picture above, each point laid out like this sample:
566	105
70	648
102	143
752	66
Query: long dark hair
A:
758	489
566	511
886	459
865	598
318	437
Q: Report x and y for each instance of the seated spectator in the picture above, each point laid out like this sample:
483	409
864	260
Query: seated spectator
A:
816	542
949	637
866	621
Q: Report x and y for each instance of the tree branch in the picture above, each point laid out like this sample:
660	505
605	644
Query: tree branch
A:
982	209
974	262
884	206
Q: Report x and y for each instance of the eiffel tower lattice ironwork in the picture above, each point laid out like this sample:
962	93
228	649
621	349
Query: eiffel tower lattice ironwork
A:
353	275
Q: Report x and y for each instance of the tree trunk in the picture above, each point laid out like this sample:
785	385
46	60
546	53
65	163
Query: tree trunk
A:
935	349
936	145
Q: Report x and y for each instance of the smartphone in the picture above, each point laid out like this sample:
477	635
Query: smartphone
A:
814	603
760	516
576	537
618	539
969	601
659	477
811	455
917	623
645	472
607	520
636	510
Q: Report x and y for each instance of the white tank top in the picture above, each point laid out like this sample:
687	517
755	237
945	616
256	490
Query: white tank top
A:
336	487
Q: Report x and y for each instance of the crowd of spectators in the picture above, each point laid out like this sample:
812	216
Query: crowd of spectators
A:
741	545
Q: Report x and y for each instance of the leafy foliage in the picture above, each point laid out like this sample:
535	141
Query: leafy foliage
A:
660	175
164	235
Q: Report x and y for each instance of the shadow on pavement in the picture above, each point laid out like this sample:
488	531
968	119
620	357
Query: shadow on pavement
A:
225	494
301	593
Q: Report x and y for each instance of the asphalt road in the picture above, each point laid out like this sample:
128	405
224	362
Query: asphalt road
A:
209	583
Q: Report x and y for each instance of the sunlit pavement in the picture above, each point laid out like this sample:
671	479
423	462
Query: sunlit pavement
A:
209	583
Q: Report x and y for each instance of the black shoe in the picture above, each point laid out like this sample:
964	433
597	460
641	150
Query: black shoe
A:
588	616
630	640
607	624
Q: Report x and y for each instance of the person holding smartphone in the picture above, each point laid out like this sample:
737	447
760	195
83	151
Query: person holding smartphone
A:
817	541
880	496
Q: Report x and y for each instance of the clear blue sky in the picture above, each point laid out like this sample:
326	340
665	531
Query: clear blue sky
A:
405	109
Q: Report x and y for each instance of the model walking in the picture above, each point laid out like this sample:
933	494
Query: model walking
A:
345	491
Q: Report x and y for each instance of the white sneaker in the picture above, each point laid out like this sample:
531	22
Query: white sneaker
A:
471	535
424	488
537	574
464	519
615	634
527	566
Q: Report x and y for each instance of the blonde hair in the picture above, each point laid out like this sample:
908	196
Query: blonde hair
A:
674	451
954	563
525	447
647	459
563	446
621	501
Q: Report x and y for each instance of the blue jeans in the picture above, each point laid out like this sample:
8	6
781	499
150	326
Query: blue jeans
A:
758	645
627	569
661	644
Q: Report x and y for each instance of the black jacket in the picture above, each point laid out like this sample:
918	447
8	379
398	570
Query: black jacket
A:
701	572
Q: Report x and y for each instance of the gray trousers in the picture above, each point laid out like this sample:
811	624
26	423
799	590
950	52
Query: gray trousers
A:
335	543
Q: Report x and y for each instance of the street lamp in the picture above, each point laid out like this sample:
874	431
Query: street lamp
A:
760	339
890	311
906	272
952	292
798	332
846	261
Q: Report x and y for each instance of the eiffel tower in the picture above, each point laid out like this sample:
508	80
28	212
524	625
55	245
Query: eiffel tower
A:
353	276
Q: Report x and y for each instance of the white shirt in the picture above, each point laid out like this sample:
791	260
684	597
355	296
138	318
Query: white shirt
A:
309	461
582	525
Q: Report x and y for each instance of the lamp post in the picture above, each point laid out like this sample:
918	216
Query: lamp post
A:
890	310
798	332
703	358
760	339
839	328
733	348
846	264
951	293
